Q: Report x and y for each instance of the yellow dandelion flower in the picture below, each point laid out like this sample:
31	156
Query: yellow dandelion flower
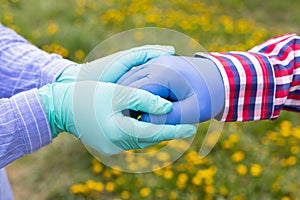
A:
212	138
285	198
168	174
181	180
292	160
158	171
234	138
197	180
223	191
79	54
242	169
52	28
98	186
275	187
142	162
133	166
79	189
110	186
129	157
106	174
152	18
226	144
255	169
209	189
294	149
272	135
237	156
238	197
283	162
172	195
8	17
125	194
296	132
163	156
144	192
97	168
285	128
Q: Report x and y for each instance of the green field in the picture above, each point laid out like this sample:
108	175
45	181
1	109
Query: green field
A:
252	160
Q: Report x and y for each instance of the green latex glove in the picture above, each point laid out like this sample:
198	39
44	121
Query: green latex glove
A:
112	67
92	111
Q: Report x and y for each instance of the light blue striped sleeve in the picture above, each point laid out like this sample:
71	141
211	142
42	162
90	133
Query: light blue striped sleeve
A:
23	66
23	126
23	69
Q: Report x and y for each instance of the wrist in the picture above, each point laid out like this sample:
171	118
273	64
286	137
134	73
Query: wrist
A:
69	74
45	95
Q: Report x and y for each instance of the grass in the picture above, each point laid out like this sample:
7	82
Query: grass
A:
252	160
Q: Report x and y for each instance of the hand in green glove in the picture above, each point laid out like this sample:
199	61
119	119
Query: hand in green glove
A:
112	67
92	110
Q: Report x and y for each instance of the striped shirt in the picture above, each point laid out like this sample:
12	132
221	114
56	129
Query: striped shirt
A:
261	82
23	124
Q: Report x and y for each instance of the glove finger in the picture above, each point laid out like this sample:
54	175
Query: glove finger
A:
150	134
140	100
183	112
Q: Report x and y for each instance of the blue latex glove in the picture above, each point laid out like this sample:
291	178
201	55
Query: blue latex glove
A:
92	111
194	85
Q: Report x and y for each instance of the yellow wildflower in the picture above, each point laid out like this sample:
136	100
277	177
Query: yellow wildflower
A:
144	192
52	28
255	169
163	156
234	138
125	194
110	186
238	156
168	174
97	168
223	191
173	195
242	169
285	128
79	189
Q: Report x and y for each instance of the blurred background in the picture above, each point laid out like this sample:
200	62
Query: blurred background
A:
252	160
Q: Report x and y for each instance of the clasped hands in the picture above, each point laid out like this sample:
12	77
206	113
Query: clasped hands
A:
90	100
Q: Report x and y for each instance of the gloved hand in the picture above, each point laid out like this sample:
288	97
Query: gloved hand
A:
92	111
194	85
112	67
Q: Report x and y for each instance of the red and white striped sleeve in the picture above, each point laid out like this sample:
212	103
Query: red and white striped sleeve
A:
261	82
284	55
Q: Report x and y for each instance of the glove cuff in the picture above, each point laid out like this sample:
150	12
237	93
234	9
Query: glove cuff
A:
69	74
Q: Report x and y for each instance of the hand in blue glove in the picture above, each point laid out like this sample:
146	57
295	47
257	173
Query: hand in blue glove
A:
92	110
194	85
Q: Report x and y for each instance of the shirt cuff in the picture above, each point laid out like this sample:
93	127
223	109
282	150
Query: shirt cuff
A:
31	120
249	85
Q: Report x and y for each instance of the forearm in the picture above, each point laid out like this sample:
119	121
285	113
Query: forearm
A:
261	82
23	66
23	126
